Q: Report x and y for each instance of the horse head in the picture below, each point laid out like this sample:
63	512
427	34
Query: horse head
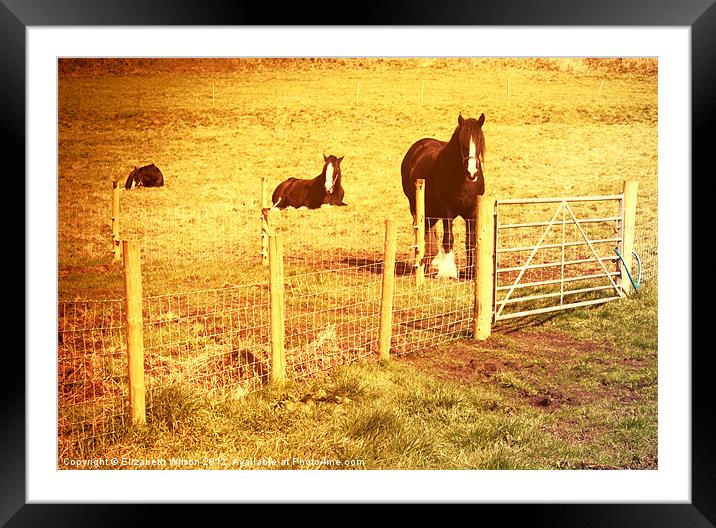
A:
331	172
131	181
471	142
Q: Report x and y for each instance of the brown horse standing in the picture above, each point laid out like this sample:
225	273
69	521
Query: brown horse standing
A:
325	188
453	176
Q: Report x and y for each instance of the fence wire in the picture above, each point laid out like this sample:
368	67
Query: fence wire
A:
213	339
333	273
91	370
646	246
441	309
217	337
84	232
186	249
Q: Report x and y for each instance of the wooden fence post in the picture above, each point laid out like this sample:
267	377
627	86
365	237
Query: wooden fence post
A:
419	232
629	223
264	224
386	295
484	264
135	330
116	245
277	300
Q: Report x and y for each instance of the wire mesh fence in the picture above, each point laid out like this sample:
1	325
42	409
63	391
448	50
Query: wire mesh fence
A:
84	233
91	370
646	247
441	309
196	249
334	262
216	336
213	339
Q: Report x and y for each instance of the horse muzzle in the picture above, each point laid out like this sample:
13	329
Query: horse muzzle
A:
473	178
472	168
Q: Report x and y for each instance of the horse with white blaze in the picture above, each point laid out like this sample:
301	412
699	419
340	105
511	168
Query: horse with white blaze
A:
326	188
453	174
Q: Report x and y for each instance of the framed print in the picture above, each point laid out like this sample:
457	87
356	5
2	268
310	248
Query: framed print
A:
244	156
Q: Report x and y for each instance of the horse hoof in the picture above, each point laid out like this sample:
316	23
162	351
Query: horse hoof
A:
435	263
447	268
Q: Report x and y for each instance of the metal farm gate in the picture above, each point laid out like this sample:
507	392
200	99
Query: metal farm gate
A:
557	253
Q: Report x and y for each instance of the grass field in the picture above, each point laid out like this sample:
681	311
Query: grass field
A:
570	390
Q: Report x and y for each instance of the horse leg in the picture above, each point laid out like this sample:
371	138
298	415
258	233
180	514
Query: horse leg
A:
470	240
437	261
447	267
431	241
448	238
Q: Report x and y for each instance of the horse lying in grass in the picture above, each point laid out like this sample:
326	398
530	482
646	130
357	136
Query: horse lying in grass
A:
325	188
147	176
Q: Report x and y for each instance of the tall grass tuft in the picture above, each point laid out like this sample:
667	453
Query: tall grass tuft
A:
174	405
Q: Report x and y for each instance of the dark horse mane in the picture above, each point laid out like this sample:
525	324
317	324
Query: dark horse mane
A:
311	193
453	180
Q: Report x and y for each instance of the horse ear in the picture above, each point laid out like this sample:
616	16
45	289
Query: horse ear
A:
324	157
460	119
340	159
481	120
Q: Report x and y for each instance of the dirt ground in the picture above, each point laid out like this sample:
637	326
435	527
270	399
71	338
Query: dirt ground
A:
549	362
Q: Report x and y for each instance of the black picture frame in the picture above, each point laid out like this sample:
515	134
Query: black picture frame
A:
17	15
